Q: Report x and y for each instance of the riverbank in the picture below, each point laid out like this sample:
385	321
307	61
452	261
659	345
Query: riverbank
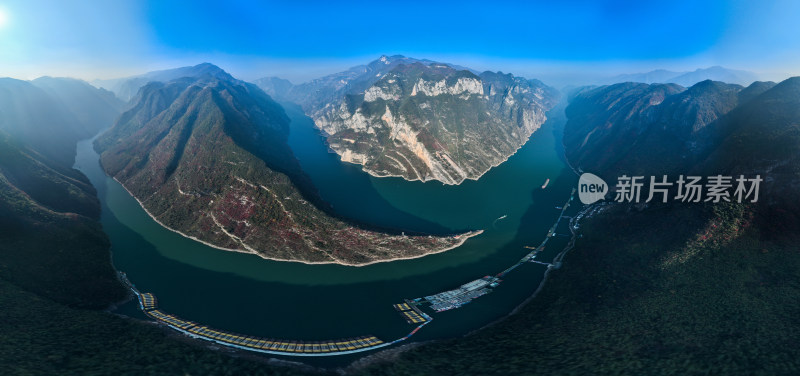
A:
424	179
322	300
391	354
462	238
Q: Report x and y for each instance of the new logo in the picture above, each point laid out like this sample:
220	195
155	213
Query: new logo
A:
591	188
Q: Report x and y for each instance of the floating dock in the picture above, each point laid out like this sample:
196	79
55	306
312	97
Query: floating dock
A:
411	313
456	298
409	310
149	305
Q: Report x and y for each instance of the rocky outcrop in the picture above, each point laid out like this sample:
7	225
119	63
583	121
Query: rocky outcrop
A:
422	120
208	158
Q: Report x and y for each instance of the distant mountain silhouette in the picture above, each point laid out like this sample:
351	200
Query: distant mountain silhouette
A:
715	73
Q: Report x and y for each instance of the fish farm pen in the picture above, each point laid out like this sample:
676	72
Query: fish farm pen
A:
409	310
148	304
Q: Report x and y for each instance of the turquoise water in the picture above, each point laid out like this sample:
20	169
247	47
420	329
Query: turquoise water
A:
247	294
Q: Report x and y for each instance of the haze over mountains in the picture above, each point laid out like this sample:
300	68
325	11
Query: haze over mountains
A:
206	154
126	88
52	114
686	79
50	240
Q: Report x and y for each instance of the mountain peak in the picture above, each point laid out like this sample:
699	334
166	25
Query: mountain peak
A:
388	60
126	88
199	70
711	85
216	150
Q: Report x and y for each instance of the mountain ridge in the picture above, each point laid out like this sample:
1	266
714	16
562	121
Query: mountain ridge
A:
687	78
421	120
126	88
208	158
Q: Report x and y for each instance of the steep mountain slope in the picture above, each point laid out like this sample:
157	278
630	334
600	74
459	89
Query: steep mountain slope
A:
717	129
94	109
680	290
649	129
604	123
423	120
762	137
325	91
208	157
762	134
663	289
127	87
51	114
50	241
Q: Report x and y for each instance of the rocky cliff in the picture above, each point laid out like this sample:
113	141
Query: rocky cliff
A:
209	158
423	120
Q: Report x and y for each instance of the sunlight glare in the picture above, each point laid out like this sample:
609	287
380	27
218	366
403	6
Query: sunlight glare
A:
3	18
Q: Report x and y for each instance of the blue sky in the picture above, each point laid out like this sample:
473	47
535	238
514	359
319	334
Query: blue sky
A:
303	40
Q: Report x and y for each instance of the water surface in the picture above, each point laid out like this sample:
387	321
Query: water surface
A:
247	294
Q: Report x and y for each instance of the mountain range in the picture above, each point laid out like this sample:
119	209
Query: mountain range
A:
712	128
421	120
51	242
52	114
674	288
715	73
126	88
207	156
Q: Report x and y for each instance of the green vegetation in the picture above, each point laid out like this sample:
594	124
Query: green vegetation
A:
430	121
671	289
40	337
645	293
50	240
209	158
664	290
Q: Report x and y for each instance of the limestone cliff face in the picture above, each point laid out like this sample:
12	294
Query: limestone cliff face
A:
433	122
209	158
429	121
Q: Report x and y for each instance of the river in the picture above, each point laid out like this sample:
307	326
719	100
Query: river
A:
246	294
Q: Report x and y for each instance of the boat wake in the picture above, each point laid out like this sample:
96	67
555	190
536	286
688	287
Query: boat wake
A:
499	218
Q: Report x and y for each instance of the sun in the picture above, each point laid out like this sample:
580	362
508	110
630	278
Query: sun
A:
3	18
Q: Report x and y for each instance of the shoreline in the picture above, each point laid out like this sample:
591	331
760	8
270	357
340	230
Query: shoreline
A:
392	353
556	264
463	238
424	180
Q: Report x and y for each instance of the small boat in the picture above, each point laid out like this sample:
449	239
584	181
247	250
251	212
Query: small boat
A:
546	182
499	218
